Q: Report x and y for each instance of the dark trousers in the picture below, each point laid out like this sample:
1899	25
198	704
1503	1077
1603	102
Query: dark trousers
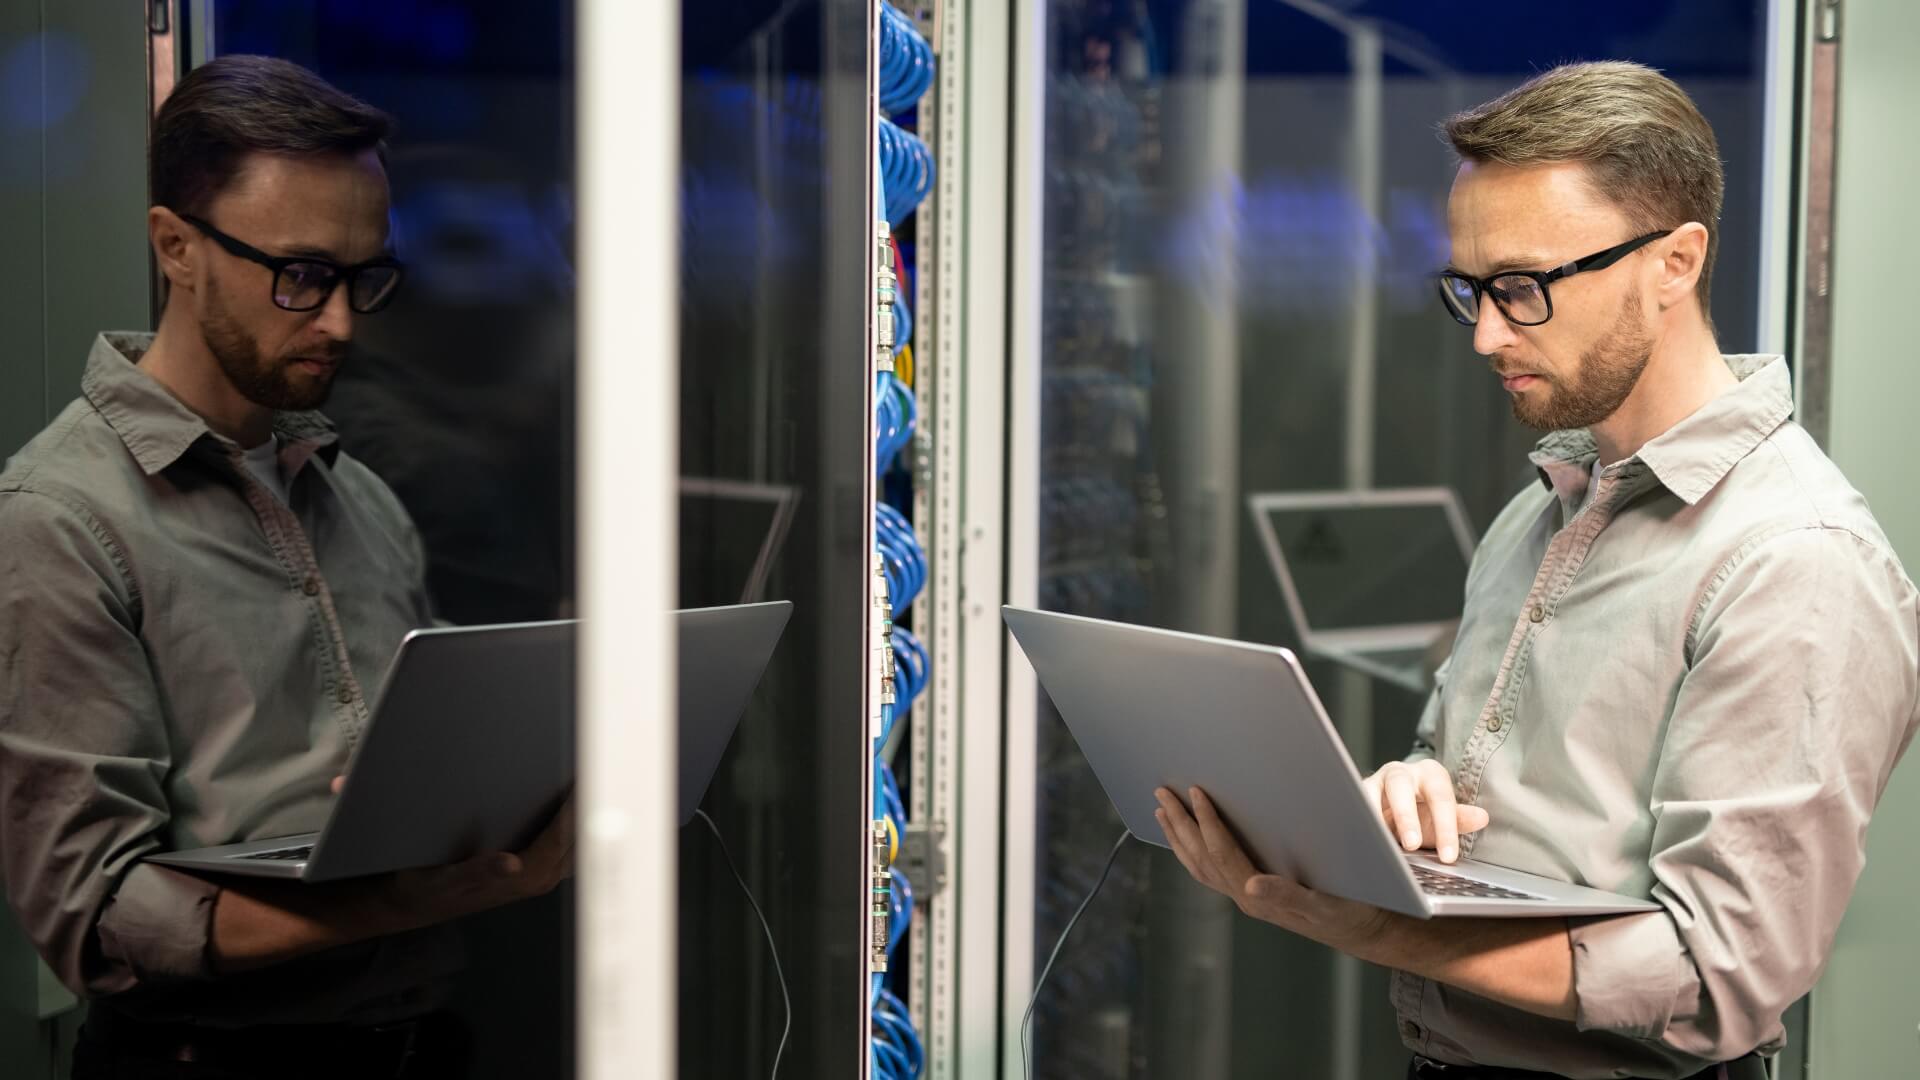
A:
114	1047
1747	1068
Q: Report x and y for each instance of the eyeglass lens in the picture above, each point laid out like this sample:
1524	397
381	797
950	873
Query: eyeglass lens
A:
1522	299
303	286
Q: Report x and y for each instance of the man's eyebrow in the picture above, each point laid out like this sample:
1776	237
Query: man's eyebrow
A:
307	251
1522	261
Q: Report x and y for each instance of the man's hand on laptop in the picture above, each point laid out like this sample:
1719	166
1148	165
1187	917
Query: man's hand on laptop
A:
1525	963
418	898
1416	801
1205	845
258	923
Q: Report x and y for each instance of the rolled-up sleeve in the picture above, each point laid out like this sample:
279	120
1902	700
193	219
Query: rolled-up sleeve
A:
1799	698
83	757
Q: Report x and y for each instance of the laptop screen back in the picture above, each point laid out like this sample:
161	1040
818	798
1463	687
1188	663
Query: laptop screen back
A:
730	535
1362	567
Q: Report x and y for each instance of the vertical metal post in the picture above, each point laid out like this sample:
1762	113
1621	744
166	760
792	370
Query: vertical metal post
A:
946	460
1778	146
1814	353
1355	713
629	138
980	353
199	44
1026	274
1367	128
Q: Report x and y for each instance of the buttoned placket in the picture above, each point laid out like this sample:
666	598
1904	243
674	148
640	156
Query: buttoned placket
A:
1566	553
288	539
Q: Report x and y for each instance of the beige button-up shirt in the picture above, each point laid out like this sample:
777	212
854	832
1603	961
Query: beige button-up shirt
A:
1692	687
187	660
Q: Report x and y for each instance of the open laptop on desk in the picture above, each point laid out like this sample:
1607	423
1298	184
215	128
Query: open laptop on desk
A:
1156	708
1371	579
471	746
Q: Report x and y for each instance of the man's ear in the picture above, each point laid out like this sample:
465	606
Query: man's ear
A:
1683	255
173	247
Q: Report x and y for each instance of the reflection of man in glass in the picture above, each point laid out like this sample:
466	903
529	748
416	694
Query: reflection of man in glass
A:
462	401
1688	658
198	596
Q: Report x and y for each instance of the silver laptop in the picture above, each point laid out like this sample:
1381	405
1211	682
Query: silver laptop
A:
1155	708
1372	579
471	745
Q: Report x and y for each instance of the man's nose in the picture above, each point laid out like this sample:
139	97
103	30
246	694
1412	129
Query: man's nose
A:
1492	332
336	315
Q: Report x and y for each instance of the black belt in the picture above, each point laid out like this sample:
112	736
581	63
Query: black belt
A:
1751	1067
381	1051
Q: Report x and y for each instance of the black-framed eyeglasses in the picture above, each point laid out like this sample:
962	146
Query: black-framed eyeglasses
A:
1522	295
303	282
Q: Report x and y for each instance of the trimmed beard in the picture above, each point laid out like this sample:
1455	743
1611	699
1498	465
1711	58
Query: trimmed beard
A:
267	383
1607	374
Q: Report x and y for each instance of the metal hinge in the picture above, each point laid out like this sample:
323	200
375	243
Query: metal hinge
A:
1827	21
159	16
923	858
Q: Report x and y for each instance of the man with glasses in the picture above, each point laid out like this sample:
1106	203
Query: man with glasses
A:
1688	660
199	593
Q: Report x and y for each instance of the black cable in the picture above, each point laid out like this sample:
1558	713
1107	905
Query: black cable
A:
785	1001
1026	1054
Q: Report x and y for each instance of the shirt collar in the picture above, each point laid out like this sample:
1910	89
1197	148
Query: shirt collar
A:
157	428
1693	455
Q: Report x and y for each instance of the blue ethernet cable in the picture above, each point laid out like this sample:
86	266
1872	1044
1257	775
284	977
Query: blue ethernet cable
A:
906	171
904	175
902	322
906	61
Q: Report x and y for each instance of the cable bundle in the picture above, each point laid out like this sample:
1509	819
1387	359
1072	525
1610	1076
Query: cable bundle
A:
906	166
906	61
897	412
910	668
905	559
902	324
902	318
897	1052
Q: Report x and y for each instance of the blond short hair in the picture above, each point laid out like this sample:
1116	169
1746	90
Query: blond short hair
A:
1646	147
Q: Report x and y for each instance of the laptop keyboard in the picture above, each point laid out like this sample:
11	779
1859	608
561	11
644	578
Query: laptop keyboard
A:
1435	883
292	854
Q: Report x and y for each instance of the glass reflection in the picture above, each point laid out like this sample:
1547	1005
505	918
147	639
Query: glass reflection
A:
772	445
460	394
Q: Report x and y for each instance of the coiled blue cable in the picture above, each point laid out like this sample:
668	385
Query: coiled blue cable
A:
907	170
893	1025
906	61
910	668
902	558
889	788
905	166
896	414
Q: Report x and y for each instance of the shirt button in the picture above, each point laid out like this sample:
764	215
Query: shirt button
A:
346	695
1410	1029
1538	614
1494	724
312	586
